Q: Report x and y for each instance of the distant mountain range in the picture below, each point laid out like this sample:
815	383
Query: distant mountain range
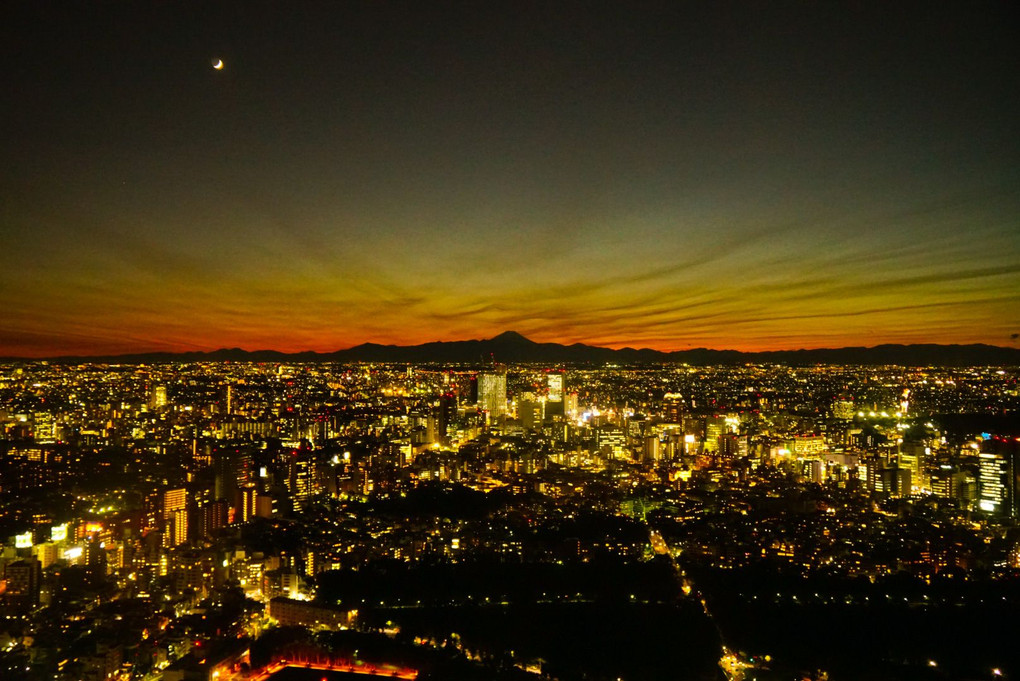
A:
513	347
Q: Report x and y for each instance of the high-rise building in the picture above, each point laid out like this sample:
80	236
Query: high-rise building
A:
814	470
254	504
445	413
492	391
652	449
637	427
915	464
181	527
999	476
233	469
157	398
48	553
899	482
554	403
942	481
249	503
995	494
530	411
303	480
673	408
570	409
612	441
23	579
733	446
95	555
174	500
890	480
214	515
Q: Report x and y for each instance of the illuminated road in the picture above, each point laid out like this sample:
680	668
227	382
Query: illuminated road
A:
267	673
659	544
731	664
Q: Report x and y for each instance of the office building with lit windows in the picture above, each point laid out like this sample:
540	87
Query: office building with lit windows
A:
492	391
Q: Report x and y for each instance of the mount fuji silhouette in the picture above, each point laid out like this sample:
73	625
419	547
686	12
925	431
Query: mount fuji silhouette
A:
511	347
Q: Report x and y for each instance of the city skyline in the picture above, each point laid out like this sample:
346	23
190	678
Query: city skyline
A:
239	519
759	178
511	346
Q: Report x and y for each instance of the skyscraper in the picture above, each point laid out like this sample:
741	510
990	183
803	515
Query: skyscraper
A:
181	527
492	391
174	500
554	403
157	397
994	488
445	412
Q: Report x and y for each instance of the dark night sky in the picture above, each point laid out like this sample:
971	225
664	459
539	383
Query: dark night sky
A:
751	176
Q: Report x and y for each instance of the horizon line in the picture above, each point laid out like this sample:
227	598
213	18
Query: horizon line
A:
509	333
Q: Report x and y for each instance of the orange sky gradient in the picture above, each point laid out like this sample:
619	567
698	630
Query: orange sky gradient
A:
750	176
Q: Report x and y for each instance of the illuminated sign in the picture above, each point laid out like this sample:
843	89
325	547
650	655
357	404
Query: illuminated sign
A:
58	532
23	541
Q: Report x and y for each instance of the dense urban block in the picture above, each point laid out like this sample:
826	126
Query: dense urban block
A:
207	520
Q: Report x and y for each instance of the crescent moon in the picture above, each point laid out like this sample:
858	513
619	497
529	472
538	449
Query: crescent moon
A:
218	64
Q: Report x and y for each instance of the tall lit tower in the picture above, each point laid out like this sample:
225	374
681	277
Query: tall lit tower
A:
997	477
992	487
492	391
554	404
157	397
174	500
